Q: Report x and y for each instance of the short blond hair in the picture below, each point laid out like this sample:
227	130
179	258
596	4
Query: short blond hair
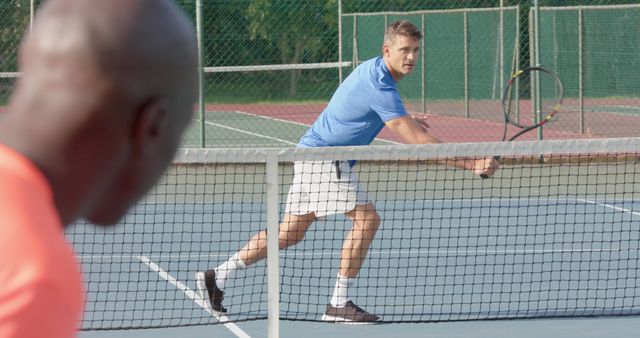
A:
401	28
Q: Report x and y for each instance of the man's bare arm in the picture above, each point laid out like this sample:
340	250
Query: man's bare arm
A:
413	130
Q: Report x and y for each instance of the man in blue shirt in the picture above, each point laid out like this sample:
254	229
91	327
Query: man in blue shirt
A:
364	103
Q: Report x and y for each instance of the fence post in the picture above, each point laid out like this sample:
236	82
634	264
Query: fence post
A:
201	103
501	48
581	67
466	62
536	62
423	69
516	58
32	13
340	41
354	54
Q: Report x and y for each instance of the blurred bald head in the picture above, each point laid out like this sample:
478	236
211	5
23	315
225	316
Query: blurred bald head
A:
107	89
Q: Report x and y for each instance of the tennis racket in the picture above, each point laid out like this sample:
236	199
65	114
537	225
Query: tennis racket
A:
518	101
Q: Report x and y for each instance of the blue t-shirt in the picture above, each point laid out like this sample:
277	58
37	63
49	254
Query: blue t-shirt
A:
358	110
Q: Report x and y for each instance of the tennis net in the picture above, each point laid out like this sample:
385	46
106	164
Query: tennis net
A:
555	233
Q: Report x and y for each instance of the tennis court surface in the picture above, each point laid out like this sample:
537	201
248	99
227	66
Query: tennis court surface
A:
555	234
282	125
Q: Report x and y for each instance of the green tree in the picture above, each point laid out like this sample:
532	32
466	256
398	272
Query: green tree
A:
298	29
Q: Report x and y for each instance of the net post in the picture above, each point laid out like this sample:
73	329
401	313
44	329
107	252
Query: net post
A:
273	269
200	72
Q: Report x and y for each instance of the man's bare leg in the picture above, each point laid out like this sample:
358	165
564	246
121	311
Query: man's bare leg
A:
354	250
291	231
356	245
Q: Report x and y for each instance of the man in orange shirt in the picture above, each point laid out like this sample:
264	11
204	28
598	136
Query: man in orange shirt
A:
107	88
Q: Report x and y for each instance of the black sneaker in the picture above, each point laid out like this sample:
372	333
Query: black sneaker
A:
349	313
207	281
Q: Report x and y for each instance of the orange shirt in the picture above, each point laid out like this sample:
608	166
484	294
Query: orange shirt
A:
40	284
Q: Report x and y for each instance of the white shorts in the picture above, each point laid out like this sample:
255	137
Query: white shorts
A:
316	188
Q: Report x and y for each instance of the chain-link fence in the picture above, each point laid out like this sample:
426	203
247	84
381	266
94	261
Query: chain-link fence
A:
15	18
270	66
471	47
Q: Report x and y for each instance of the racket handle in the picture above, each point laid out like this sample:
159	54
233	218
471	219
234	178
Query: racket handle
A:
484	176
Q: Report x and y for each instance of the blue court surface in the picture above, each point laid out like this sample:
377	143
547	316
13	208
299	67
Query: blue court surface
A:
439	256
150	271
562	328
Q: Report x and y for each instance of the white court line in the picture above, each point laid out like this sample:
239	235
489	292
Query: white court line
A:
191	294
278	120
271	118
250	133
414	201
592	108
297	123
336	253
610	206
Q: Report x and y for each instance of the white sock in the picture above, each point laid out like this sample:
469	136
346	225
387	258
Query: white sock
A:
227	269
341	292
